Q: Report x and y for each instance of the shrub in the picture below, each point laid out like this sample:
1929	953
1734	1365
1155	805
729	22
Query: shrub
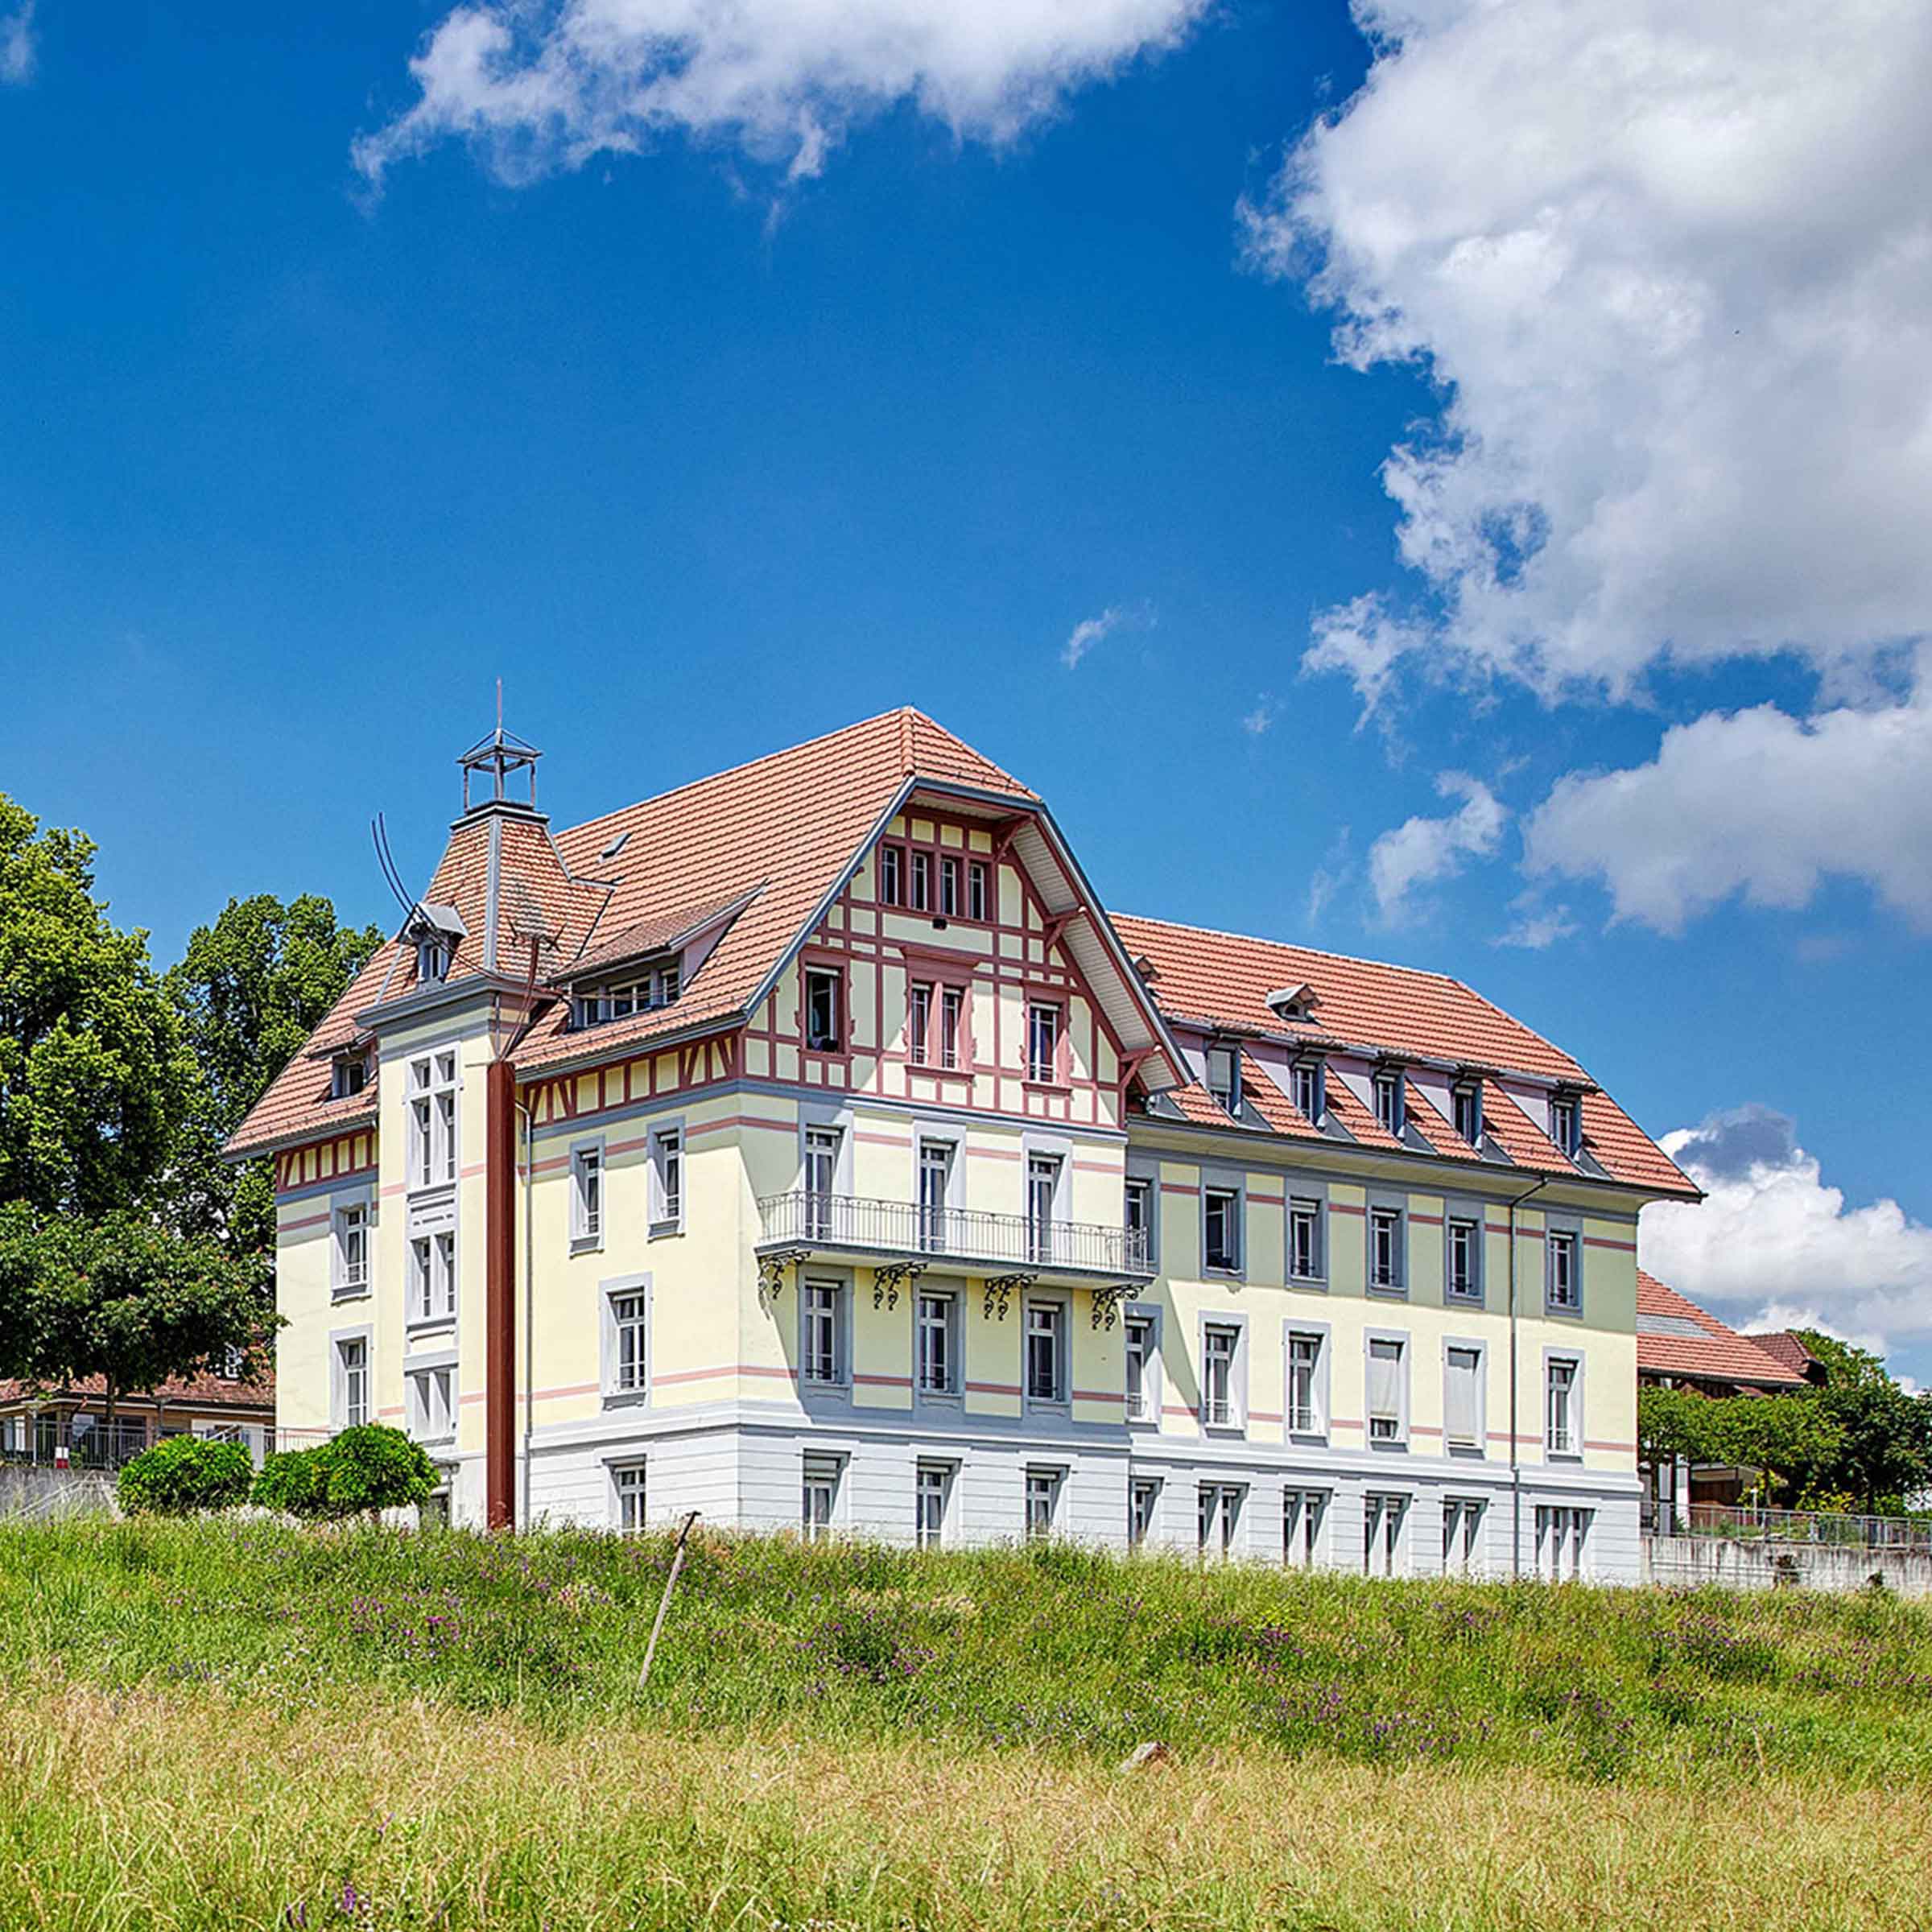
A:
184	1475
356	1473
290	1481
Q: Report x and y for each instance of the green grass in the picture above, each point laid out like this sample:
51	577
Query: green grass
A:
244	1725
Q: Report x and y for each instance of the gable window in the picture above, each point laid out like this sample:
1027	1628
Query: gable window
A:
352	1250
1043	1196
1385	1249
918	1023
627	1488
1219	1512
1310	1097
1143	1496
352	1381
1462	1397
979	890
1563	1263
953	1008
935	1319
1566	1117
892	875
666	1180
1042	1498
1220	1353
825	1009
936	1180
933	1483
1468	1100
1304	1416
921	881
1224	1077
1305	1241
1042	1041
432	1277
348	1075
949	888
1046	1352
432	1404
1221	1227
1559	1406
432	1119
1465	1258
821	1180
586	1197
1388	1390
824	1333
628	1372
1382	1517
818	1502
1139	1210
1390	1109
1142	1364
1302	1514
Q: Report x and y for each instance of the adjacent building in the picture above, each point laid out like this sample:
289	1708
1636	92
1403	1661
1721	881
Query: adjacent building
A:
809	1146
73	1425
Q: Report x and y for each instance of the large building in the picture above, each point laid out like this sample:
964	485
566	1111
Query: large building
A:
808	1146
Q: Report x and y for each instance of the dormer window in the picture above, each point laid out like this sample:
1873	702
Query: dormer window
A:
1293	1003
434	931
1391	1110
1310	1093
432	959
650	989
1467	1099
1566	1123
348	1074
1224	1077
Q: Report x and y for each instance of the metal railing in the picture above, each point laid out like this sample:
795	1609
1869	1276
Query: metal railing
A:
879	1227
1748	1525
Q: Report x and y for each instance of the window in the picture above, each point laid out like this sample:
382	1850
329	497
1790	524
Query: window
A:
1304	1414
1221	1235
1385	1249
432	961
1043	1195
432	1404
979	890
1141	1367
629	1370
1224	1077
666	1179
1388	1390
819	1501
1220	1350
586	1197
1389	1110
1462	1397
1043	1496
935	1179
952	1013
824	1015
1559	1407
1305	1241
627	1484
821	1178
1468	1109
918	1023
1046	1352
432	1277
352	1250
1139	1221
352	1381
892	875
347	1076
1461	1535
657	987
1565	1293
1382	1534
1219	1512
922	881
1465	1253
934	1321
824	1353
1561	1536
933	1481
1302	1514
1311	1098
1042	1041
432	1120
1566	1119
1143	1497
949	888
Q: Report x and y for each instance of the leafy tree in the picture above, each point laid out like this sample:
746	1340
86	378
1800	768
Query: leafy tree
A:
249	990
1887	1453
1789	1439
185	1475
93	1079
358	1472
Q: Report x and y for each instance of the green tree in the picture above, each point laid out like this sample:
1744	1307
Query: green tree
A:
1788	1439
1886	1457
93	1080
249	990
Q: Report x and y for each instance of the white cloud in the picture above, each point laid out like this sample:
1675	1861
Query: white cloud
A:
1085	634
17	48
1421	850
540	84
1757	802
1672	267
1260	721
1535	927
1775	1247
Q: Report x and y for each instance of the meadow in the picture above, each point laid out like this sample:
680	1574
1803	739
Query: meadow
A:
230	1724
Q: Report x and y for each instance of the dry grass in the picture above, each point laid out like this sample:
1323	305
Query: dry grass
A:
187	1810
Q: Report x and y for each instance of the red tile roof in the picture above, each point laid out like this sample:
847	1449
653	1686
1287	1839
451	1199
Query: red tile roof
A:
202	1390
1676	1338
1785	1348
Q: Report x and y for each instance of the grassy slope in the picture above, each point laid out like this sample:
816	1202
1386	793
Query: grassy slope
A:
208	1727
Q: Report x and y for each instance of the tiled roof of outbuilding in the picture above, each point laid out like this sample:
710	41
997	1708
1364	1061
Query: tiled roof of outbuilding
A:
1676	1338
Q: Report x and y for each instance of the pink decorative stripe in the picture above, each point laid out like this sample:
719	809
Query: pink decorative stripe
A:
1614	1448
397	1410
308	1221
557	1395
1262	1415
1267	1200
1099	1395
994	1154
883	1140
992	1388
1105	1167
1174	1409
730	1120
1426	1220
1177	1188
1423	1428
724	1368
1605	1240
1347	1208
1345	1421
885	1382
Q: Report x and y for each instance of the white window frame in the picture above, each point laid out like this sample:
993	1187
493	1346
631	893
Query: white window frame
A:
1406	1348
1047	1166
950	1327
1467	1093
932	1504
1222	1505
918	880
935	1156
1562	1541
918	1021
433	1081
1046	1025
1060	1327
1385	1514
814	977
821	1494
1224	1091
629	1495
1457	1217
1146	1189
1143	1509
587	1192
1220	1188
1465	1522
821	1143
892	873
357	1218
1570	1449
1309	1081
1379	1213
1304	1526
1312	1209
670	1156
1478	1443
951	884
1318	1333
826	1295
1566	1238
340	1415
952	1027
1390	1085
979	891
430	1386
1223	1338
432	1278
1566	1123
625	1305
1042	1483
1143	1315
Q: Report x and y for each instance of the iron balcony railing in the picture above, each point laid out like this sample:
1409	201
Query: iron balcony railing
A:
969	1234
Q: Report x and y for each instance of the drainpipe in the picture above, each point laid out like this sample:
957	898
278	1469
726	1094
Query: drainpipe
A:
1516	1471
500	1309
530	1292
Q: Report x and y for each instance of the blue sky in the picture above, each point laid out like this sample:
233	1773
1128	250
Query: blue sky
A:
709	447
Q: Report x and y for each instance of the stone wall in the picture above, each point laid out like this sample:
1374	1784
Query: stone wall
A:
1685	1562
27	1489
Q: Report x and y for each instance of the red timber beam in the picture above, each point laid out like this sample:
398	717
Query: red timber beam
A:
500	1294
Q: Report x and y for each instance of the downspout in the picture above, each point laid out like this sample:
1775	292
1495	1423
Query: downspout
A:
1515	1471
530	1294
500	1310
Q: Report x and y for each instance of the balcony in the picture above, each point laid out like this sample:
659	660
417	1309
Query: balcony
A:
1087	1252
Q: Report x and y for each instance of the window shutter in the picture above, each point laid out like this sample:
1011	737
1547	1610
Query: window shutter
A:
1384	1382
1460	1421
